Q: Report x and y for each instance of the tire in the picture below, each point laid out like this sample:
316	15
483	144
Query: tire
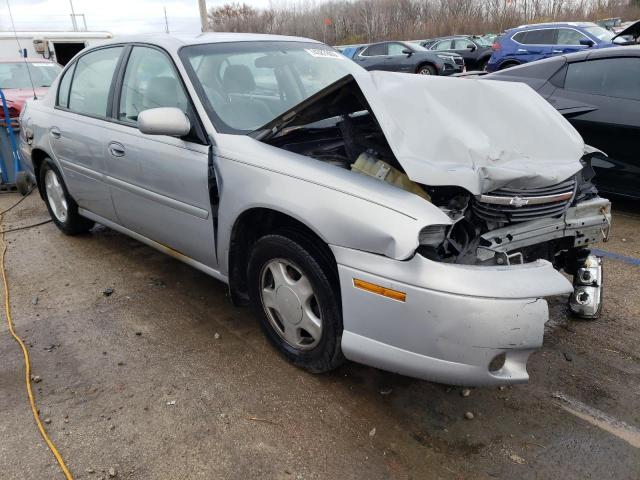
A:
482	64
294	295
62	208
426	70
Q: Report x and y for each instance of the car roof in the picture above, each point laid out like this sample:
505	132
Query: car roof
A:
553	24
175	42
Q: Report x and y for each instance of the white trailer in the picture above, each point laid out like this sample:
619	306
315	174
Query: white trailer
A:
57	46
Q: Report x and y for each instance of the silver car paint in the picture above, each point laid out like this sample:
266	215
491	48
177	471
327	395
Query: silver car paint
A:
455	319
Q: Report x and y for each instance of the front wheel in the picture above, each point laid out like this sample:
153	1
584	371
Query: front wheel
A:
426	70
62	208
294	296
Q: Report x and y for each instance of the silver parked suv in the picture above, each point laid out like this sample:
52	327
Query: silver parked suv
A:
405	222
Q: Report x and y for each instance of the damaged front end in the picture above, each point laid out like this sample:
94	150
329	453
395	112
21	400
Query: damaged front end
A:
517	207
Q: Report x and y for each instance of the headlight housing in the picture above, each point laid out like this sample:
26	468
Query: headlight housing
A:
432	235
445	57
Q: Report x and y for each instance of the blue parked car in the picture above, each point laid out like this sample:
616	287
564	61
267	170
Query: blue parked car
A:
534	42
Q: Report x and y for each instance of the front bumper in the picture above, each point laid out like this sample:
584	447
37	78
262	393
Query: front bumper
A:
454	321
451	68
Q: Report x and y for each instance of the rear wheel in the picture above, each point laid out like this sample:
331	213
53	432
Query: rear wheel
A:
62	208
293	296
426	70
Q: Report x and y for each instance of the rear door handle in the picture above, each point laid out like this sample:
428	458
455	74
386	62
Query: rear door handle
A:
117	149
55	133
556	51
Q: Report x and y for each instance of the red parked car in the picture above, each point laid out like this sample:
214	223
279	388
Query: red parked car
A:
15	82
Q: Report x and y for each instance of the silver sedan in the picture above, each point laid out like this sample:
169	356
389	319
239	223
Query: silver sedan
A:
409	223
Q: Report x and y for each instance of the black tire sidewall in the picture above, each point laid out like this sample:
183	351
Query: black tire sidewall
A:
426	67
74	223
328	353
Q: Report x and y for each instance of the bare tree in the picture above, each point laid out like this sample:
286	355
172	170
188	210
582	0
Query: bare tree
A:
357	21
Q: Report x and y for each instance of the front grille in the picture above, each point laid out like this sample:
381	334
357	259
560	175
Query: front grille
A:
508	205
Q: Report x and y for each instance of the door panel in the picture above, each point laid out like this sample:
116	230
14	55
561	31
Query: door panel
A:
77	132
159	187
159	184
612	86
396	61
79	148
613	128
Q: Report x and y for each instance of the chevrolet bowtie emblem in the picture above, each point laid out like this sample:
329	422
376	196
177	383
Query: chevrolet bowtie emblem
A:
519	202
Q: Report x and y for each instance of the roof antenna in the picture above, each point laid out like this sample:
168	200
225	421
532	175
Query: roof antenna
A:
22	52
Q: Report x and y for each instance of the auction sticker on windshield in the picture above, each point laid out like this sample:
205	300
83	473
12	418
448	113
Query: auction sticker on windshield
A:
320	53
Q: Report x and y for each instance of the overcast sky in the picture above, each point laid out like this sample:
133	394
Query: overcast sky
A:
117	16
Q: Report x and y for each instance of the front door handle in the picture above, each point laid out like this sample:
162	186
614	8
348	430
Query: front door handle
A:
117	149
55	132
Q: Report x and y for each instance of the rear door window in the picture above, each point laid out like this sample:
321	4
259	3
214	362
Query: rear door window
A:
569	36
444	45
91	82
544	36
375	50
611	77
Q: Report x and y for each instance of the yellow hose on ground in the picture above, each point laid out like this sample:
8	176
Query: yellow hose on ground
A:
27	364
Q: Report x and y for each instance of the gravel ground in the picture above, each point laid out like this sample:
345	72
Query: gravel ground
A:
139	382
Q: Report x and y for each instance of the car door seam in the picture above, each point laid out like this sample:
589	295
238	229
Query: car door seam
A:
159	197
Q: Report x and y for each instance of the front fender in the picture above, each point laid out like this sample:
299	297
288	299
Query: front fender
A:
342	207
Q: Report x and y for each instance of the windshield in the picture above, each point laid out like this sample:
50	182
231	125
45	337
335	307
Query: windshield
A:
16	75
601	33
245	85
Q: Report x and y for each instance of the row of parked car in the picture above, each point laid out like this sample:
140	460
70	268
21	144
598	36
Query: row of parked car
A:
571	65
523	44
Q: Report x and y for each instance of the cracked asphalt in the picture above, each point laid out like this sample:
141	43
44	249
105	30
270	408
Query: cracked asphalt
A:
138	381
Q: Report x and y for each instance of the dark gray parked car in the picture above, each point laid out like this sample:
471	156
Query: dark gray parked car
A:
475	50
408	57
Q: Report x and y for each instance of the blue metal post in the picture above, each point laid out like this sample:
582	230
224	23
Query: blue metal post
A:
12	141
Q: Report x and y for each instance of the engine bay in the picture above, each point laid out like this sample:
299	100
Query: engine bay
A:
483	226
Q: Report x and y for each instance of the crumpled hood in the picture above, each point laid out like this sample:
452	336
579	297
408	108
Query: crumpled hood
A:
474	134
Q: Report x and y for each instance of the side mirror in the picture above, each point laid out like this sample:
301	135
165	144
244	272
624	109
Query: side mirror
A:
164	121
407	51
587	42
471	47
